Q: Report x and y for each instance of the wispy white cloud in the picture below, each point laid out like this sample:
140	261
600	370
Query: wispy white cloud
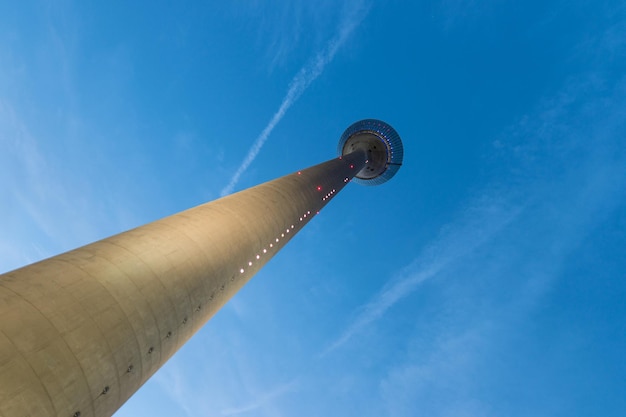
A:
230	388
260	400
567	160
298	85
29	183
479	223
177	388
440	363
45	184
585	121
580	198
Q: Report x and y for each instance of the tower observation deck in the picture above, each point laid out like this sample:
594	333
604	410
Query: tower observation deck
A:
80	332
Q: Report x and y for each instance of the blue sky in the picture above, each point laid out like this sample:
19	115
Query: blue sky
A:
486	279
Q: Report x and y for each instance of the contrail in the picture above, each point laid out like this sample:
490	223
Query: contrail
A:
484	219
297	86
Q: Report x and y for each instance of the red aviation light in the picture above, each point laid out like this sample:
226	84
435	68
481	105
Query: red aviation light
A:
351	166
319	188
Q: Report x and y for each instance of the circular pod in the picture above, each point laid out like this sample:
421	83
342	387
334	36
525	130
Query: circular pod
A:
383	148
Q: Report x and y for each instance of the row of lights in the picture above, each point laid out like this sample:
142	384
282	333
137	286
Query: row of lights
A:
271	244
329	195
302	218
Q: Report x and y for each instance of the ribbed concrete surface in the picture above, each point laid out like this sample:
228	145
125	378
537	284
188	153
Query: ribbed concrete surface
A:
82	331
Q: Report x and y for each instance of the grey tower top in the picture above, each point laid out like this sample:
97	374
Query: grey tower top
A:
382	145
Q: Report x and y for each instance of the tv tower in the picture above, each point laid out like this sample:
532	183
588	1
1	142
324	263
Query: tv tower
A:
80	332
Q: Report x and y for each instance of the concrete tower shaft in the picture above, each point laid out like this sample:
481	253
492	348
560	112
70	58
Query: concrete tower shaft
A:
82	331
